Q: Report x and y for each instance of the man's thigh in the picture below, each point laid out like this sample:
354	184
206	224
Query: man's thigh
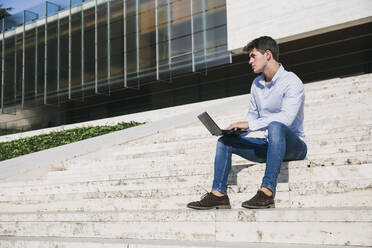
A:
253	149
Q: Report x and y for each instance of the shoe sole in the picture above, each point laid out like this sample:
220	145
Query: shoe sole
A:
259	207
208	208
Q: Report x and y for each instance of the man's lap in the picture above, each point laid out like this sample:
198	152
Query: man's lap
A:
255	149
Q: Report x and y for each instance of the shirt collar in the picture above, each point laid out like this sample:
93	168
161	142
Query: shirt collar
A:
275	78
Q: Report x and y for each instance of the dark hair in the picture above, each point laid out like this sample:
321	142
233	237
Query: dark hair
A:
262	44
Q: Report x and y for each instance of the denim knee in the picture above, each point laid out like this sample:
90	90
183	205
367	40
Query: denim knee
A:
226	140
275	130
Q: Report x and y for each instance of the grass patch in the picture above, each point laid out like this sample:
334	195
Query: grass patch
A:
15	148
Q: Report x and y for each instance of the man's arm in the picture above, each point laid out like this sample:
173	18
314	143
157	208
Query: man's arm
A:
252	115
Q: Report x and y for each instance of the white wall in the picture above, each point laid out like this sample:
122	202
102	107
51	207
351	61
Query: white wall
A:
286	20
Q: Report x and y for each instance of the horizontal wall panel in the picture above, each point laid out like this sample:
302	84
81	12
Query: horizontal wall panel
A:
287	20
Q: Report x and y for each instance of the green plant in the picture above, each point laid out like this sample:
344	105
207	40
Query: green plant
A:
15	148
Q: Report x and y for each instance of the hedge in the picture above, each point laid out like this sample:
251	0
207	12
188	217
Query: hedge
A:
15	148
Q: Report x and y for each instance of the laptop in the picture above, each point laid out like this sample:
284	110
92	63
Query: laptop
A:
214	129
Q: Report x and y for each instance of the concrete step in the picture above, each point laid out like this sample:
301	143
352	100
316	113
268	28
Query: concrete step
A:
333	83
208	145
48	242
177	165
296	194
123	169
196	131
156	167
316	102
345	226
329	86
145	168
313	117
102	165
320	194
182	179
315	139
337	94
209	148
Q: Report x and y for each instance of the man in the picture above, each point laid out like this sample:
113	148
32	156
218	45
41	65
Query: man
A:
276	106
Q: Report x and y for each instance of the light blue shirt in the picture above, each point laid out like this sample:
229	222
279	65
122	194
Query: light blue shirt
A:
281	100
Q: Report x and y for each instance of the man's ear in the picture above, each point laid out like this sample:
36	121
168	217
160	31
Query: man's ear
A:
268	55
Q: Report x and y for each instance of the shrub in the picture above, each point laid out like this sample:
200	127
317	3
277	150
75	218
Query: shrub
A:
15	148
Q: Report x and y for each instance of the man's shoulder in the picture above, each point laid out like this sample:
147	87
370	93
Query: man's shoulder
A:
289	77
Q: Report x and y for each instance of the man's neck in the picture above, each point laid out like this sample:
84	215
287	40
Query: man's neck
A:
270	71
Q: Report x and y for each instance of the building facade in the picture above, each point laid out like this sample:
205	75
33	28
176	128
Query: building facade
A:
72	60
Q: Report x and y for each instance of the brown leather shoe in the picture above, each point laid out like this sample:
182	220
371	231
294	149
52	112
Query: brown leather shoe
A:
260	200
211	201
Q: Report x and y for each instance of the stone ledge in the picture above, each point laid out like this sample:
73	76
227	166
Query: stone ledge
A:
47	242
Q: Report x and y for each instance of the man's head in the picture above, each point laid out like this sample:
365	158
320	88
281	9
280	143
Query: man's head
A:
262	51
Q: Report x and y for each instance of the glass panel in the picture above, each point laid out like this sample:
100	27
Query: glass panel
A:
29	84
164	40
9	82
217	56
51	83
210	37
19	65
211	19
89	52
163	2
102	73
147	41
162	14
164	65
116	45
1	73
39	10
76	80
215	17
40	65
181	55
146	5
11	22
216	37
211	4
52	8
30	16
181	64
181	46
180	10
131	48
63	60
181	43
76	2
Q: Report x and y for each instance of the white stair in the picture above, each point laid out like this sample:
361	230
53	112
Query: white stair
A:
134	193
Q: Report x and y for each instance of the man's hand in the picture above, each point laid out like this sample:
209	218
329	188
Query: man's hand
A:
239	124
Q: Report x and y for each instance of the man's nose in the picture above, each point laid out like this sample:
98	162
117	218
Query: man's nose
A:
250	61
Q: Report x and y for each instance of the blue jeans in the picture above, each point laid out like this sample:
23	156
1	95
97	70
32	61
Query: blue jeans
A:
282	145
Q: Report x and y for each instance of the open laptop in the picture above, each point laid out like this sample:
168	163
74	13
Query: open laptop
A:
214	129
